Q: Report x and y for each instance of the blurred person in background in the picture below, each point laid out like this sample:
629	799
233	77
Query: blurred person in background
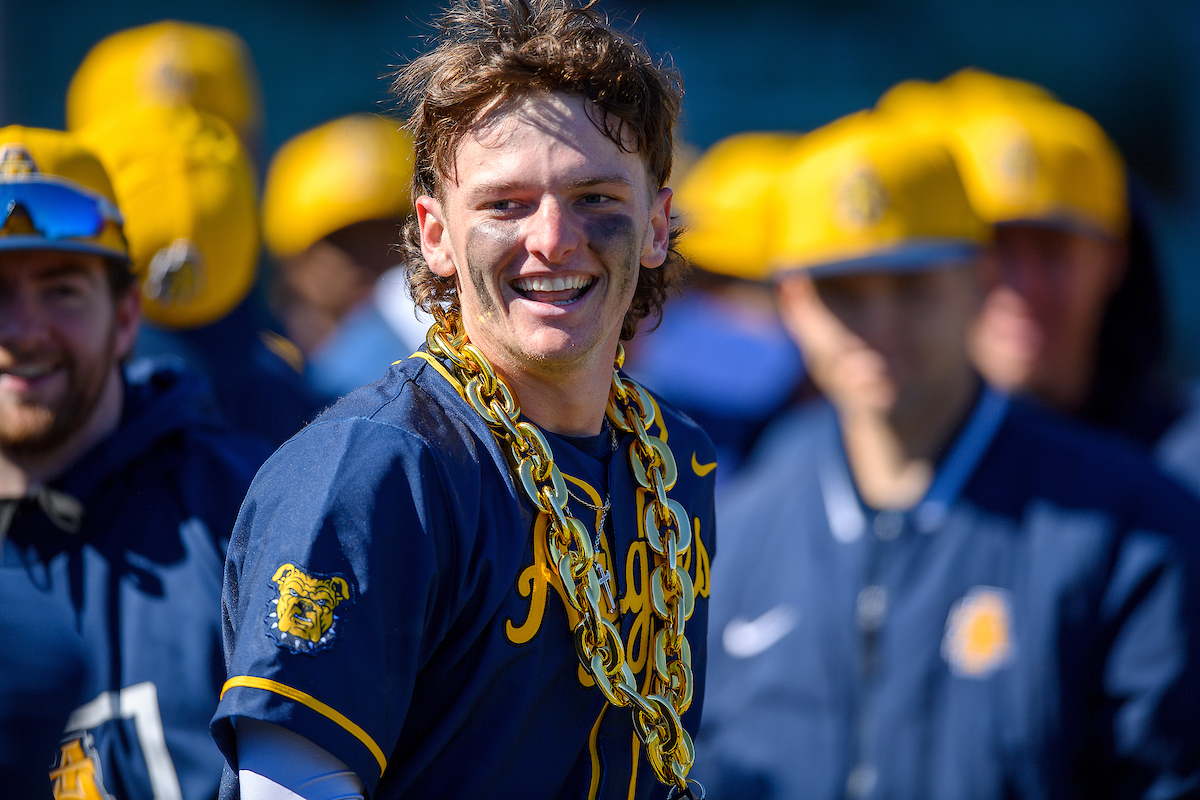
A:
1077	316
334	201
169	63
118	489
721	354
928	589
186	188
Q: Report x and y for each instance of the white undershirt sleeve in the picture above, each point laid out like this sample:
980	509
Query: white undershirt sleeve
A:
277	764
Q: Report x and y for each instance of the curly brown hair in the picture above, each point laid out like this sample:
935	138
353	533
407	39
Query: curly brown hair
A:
491	53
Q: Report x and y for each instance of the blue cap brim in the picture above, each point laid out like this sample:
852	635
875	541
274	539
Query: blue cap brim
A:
33	242
1065	223
911	256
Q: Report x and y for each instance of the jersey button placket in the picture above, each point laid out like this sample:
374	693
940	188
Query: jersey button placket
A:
888	525
861	781
871	611
872	607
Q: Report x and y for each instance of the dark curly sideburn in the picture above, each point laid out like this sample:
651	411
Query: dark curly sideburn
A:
490	53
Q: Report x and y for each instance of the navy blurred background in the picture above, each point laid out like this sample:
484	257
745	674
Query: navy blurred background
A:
746	66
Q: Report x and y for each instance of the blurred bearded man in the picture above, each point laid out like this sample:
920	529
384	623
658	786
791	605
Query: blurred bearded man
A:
118	487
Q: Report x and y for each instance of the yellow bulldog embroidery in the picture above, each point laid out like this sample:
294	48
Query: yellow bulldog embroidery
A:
302	616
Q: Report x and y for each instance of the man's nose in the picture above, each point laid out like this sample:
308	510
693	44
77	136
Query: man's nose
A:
552	232
20	320
1029	277
882	322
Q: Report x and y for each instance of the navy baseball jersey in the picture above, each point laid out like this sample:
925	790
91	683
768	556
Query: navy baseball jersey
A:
1029	630
386	600
112	627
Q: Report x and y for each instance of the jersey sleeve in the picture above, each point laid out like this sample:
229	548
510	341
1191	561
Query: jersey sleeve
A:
336	589
276	763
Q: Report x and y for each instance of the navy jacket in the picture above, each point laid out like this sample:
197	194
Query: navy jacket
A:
112	659
1030	630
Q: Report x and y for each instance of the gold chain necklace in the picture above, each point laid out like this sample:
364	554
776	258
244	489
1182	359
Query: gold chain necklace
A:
570	552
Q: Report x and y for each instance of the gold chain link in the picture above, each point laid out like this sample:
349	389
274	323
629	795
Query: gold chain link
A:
569	547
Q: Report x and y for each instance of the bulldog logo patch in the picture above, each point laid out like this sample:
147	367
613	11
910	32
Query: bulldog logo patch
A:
303	615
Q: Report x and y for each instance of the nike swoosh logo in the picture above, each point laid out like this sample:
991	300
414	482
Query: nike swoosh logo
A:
702	469
744	638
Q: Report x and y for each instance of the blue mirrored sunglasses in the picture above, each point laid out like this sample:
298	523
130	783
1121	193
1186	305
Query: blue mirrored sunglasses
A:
57	210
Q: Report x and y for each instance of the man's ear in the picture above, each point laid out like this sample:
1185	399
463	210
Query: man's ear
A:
658	243
127	318
435	236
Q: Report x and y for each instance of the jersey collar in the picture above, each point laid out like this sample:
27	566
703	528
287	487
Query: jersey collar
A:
844	510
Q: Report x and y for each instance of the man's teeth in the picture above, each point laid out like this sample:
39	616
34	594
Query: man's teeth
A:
547	284
29	372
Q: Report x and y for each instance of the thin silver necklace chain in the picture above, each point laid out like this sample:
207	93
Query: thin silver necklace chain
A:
607	505
602	574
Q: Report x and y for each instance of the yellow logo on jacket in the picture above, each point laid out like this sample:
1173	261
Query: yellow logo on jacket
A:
979	638
303	617
76	773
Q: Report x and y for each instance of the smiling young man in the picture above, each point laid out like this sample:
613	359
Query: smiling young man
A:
117	491
549	218
486	574
928	589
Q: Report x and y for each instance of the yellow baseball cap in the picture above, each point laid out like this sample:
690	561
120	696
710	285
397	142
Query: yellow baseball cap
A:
937	101
186	186
726	204
167	63
353	169
55	195
869	193
1024	156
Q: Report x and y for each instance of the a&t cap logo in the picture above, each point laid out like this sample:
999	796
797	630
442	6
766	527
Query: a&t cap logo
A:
1017	166
16	160
860	199
176	274
978	638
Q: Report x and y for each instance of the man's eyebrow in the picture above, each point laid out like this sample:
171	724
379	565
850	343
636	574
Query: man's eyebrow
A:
492	188
601	180
63	270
